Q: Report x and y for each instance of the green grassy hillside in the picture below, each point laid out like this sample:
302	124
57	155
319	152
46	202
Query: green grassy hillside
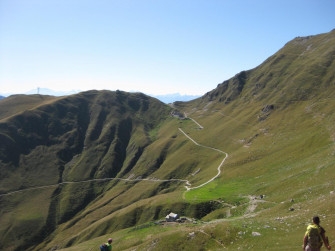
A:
112	164
18	103
82	137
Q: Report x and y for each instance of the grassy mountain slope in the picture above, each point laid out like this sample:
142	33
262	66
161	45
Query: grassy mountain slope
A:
276	122
18	103
76	138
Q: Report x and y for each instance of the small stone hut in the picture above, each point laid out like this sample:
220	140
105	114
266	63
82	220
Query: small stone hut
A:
171	217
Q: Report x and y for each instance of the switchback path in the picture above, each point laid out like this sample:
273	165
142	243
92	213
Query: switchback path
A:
219	167
187	186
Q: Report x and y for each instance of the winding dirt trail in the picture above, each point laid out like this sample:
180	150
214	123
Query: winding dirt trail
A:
208	147
187	186
93	180
200	126
219	167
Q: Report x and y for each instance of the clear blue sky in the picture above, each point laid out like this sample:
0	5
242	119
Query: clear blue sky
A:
152	46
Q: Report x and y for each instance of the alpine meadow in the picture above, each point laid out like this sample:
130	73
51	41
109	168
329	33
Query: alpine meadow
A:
247	165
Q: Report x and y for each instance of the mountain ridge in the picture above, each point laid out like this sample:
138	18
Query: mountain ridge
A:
165	98
275	121
299	49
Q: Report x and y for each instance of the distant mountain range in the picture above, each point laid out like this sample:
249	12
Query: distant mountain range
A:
165	98
170	98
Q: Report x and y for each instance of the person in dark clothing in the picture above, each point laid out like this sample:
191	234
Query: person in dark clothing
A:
107	246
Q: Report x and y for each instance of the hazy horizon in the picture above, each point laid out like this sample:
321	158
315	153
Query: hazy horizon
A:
166	98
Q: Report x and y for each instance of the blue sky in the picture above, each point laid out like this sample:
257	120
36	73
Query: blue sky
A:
152	46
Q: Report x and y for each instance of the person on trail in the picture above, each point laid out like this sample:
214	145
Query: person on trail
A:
315	236
107	246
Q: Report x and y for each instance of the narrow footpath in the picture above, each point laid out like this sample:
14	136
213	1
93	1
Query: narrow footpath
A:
219	167
187	185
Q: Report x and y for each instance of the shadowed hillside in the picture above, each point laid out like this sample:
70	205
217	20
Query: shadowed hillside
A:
76	138
113	163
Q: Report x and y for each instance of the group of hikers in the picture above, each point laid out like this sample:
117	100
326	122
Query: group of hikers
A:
314	238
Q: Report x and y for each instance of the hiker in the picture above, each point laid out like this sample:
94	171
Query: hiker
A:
314	236
107	246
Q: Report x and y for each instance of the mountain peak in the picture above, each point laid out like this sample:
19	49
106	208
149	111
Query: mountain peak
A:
300	70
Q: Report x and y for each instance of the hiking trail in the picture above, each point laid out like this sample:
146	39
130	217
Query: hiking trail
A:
187	185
